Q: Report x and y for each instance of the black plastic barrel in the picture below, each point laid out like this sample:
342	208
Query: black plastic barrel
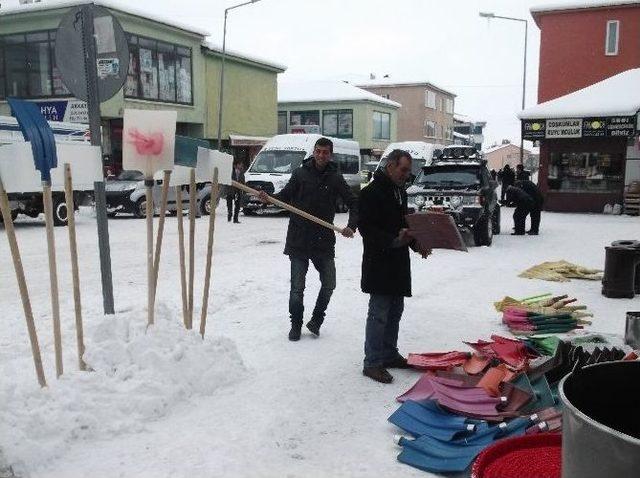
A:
600	421
634	245
620	267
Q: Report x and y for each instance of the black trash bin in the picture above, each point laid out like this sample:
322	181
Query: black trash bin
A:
634	245
620	271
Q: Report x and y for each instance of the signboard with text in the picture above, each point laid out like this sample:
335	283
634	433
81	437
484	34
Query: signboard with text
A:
596	127
69	111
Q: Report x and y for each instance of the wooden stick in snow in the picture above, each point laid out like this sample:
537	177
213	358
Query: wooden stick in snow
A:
192	239
73	246
149	199
22	284
163	212
183	272
215	190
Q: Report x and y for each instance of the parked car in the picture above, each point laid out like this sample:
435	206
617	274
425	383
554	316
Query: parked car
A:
459	184
281	155
126	193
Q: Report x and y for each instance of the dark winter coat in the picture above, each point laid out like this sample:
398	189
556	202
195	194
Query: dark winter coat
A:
315	192
520	198
522	175
385	269
532	190
230	191
508	176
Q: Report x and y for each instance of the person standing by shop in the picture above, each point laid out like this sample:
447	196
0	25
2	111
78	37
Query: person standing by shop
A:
314	187
386	267
538	200
521	173
508	178
234	196
524	204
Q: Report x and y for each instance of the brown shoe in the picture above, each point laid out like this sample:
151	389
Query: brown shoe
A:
398	362
379	374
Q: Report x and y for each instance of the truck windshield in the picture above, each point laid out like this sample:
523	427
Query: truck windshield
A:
448	176
277	161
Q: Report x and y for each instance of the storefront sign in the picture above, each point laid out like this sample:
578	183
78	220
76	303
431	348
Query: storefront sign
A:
69	111
564	128
610	127
533	129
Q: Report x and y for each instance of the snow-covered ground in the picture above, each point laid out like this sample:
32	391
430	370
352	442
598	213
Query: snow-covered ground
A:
246	402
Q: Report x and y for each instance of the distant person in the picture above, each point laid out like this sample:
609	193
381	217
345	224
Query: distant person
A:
386	266
234	196
508	178
521	173
314	187
494	174
538	200
524	204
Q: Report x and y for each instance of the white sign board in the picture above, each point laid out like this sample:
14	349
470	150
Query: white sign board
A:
564	128
148	140
208	159
19	174
179	177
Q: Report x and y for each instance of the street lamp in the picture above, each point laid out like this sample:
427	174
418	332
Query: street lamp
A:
489	16
224	44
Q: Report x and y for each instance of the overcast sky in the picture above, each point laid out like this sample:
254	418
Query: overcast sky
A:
443	42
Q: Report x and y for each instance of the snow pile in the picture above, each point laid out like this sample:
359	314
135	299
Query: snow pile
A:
138	376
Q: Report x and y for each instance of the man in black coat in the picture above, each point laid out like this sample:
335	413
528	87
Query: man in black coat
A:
508	178
386	268
233	194
524	204
521	173
538	200
314	187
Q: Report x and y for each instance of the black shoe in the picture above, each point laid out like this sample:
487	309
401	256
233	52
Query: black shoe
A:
314	327
379	374
517	233
294	333
229	219
398	362
532	233
236	221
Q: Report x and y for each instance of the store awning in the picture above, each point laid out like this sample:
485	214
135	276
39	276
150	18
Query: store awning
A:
243	140
618	95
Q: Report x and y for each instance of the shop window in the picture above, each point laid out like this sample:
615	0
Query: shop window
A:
158	71
282	122
299	118
429	129
430	99
338	123
381	125
611	45
586	172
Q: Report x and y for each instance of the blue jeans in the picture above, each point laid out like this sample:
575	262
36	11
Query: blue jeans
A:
326	267
381	335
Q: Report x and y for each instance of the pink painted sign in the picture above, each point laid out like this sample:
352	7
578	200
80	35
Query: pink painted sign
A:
148	140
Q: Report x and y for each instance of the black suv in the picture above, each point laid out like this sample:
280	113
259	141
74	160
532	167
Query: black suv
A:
459	184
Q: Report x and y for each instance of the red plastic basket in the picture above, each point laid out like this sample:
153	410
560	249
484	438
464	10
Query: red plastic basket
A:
530	456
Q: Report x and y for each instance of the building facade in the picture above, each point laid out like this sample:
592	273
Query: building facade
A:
170	67
340	110
499	156
468	131
426	113
587	117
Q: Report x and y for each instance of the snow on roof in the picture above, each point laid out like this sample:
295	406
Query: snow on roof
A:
618	95
382	82
579	5
325	90
460	135
256	59
467	119
52	5
500	146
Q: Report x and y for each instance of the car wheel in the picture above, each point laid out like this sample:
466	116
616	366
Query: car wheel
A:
140	211
483	232
60	215
205	205
495	220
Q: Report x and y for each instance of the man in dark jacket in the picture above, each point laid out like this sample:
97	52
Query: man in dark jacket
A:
538	200
524	204
508	178
314	187
233	194
521	173
386	268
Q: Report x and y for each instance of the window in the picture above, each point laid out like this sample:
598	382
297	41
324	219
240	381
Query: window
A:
282	122
338	123
429	129
26	68
611	42
449	134
591	172
158	71
381	125
299	118
449	106
430	99
347	163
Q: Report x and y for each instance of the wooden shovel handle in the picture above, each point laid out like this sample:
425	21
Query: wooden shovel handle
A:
288	207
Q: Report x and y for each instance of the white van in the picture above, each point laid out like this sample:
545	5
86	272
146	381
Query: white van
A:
421	152
281	155
64	132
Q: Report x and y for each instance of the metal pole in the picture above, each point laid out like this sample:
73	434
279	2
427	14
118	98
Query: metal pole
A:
93	109
224	45
524	87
